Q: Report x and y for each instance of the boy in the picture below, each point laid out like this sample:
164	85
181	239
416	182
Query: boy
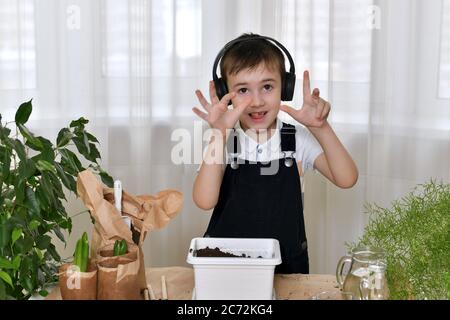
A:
249	199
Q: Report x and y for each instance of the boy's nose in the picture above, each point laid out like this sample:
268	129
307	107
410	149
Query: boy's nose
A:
257	100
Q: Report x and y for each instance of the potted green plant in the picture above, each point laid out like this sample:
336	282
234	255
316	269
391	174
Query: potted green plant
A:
33	175
120	248
78	280
415	235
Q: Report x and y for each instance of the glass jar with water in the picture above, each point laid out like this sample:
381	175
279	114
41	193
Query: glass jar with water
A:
365	279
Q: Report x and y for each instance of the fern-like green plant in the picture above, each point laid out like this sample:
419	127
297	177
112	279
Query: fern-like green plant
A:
415	234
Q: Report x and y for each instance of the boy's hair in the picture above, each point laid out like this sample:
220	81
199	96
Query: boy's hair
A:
249	54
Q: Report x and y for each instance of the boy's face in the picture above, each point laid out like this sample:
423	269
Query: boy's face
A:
263	85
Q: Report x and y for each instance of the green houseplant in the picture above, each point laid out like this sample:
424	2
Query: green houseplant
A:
33	175
415	235
120	248
81	254
78	279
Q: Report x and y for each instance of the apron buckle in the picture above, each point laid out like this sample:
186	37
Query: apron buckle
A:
288	158
234	164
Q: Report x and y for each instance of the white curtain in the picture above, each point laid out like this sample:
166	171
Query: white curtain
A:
131	68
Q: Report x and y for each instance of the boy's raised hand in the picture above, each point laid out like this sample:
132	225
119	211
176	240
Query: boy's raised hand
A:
218	115
314	111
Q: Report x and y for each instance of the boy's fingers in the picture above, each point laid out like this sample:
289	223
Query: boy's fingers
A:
316	93
227	98
201	114
306	85
202	100
320	107
290	111
326	110
213	93
242	106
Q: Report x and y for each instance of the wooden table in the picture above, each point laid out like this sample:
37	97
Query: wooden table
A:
180	283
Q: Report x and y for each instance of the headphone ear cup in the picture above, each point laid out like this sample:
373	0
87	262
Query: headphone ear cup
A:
287	91
221	88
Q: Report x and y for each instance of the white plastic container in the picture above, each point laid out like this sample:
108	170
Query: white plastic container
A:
233	278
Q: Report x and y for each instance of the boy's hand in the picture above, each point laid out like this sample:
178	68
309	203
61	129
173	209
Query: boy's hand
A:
218	115
314	111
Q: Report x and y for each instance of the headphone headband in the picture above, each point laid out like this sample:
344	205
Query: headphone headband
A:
254	37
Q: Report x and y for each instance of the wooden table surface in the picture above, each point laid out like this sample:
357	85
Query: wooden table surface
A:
180	283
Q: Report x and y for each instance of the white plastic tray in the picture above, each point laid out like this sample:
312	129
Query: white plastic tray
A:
274	296
262	251
235	278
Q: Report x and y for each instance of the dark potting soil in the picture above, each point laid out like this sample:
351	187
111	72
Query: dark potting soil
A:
216	252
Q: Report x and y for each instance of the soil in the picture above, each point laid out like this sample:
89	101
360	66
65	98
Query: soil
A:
216	252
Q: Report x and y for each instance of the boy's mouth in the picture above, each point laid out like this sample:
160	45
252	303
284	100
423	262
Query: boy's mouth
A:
258	116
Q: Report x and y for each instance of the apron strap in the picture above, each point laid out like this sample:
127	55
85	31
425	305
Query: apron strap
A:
234	148
288	147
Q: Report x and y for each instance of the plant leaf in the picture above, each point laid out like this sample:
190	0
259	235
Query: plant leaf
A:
43	242
43	293
6	264
26	169
39	253
2	153
64	137
4	132
47	188
32	202
57	186
94	153
27	283
24	245
67	225
32	142
2	291
16	262
5	234
70	162
82	146
43	165
51	249
5	277
19	189
34	224
67	180
47	154
24	112
17	146
16	234
67	163
59	234
91	137
107	179
44	201
79	123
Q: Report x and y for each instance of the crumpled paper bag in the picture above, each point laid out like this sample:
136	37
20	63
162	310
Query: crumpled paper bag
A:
146	212
118	276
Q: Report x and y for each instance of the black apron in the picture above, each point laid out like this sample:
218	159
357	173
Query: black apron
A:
256	205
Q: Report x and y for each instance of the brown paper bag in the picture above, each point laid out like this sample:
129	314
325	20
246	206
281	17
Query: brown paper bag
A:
118	277
146	212
75	285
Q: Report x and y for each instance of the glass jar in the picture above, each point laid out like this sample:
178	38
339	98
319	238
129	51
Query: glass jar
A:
366	278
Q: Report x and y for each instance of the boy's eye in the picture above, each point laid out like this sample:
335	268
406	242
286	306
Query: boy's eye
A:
268	87
243	90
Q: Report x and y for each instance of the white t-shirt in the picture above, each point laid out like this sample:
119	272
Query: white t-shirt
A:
307	147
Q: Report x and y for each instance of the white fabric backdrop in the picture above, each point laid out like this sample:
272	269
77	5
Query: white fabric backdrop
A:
131	68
